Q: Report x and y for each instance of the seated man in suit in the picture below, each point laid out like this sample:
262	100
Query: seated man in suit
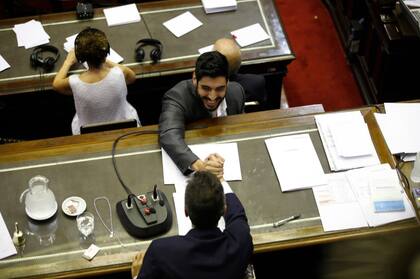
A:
205	251
208	94
254	85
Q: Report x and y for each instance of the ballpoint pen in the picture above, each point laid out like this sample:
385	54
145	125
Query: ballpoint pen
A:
284	221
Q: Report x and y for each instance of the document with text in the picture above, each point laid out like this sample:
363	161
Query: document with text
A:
295	162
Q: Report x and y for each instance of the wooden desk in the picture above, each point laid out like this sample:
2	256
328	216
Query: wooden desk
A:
31	110
80	165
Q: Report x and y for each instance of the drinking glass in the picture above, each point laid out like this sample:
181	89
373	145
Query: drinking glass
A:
85	223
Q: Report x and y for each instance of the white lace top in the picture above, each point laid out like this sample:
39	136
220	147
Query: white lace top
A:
102	101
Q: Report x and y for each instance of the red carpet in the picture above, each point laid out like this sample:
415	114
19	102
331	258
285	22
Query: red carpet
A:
320	73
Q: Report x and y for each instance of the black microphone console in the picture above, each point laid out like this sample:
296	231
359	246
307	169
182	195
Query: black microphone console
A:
145	215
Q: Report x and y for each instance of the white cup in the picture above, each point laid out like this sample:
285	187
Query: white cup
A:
415	173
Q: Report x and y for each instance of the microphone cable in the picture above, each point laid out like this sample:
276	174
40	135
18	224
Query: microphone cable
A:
114	162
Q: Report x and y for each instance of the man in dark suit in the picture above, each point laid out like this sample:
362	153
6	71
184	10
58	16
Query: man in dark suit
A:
205	251
254	85
208	94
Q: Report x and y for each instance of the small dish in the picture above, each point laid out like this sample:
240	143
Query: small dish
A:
73	206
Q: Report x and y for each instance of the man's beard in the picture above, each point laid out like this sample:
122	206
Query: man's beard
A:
220	100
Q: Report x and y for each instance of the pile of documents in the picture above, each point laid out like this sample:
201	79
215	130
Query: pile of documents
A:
346	140
370	196
217	6
31	34
400	128
295	162
122	15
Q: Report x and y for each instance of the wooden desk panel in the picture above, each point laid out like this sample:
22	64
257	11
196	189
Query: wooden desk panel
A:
64	161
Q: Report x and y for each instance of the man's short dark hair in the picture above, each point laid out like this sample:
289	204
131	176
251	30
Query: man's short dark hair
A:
91	46
204	200
212	64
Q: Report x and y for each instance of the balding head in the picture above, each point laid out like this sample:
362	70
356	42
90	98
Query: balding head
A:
231	50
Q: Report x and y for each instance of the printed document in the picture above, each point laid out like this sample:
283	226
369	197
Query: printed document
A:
346	140
6	244
337	204
229	151
217	6
359	181
295	161
182	24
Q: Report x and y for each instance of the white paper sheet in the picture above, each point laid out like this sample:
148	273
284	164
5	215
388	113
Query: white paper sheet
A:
122	15
402	120
359	181
31	34
3	64
352	139
337	204
326	123
295	161
229	151
206	49
6	244
182	24
250	35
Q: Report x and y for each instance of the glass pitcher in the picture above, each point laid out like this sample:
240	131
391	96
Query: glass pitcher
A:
40	203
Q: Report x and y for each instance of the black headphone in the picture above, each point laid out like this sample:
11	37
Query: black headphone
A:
47	63
155	53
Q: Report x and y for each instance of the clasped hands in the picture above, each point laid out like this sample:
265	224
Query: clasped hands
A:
213	163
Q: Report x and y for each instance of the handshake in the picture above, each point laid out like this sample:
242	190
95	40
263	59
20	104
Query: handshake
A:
213	163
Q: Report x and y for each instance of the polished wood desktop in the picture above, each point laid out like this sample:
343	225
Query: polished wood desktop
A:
81	166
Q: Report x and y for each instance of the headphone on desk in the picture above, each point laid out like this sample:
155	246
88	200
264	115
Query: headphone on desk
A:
47	63
155	53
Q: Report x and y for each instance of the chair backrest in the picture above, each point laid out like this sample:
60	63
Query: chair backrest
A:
107	126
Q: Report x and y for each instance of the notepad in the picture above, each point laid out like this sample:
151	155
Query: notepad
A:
122	15
182	24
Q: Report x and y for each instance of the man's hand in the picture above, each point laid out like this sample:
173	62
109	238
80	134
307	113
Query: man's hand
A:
135	266
213	163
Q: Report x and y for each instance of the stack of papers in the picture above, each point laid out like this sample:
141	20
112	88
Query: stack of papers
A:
346	140
348	201
400	127
113	55
31	34
216	6
295	161
3	64
122	15
250	35
182	24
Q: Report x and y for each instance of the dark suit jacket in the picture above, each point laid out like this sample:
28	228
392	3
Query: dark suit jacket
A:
181	105
203	253
254	86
